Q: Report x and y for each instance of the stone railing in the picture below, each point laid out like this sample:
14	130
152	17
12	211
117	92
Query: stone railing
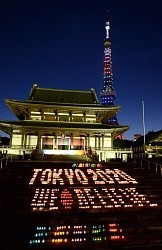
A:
111	149
152	166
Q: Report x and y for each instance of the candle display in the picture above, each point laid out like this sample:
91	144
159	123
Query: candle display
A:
85	189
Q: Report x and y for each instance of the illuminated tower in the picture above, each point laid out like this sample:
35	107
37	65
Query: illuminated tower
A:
108	94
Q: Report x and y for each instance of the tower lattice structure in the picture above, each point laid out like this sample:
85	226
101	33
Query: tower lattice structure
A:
108	94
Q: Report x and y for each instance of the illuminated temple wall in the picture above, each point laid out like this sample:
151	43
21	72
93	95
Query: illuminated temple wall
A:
59	142
108	142
16	140
92	142
31	141
101	146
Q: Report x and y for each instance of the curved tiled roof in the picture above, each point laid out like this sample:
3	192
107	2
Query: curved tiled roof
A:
7	125
152	137
63	96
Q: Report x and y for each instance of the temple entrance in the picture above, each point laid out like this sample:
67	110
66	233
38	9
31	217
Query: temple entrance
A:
59	143
48	142
77	144
63	143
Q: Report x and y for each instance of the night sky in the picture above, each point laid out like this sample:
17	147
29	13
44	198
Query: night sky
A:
60	44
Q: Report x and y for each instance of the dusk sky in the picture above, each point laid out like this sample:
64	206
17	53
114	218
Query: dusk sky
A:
60	44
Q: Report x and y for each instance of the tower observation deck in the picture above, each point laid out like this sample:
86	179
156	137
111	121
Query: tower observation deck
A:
108	94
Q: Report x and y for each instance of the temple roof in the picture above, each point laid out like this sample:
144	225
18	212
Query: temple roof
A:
51	100
7	126
62	96
153	138
22	108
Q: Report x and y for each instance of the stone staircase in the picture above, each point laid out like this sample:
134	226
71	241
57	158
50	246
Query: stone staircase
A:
97	227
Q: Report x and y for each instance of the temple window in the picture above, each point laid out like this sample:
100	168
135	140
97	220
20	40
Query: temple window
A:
49	116
48	142
77	117
64	117
35	115
90	118
16	131
64	143
78	143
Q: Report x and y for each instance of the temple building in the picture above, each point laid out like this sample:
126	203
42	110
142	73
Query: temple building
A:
54	121
149	146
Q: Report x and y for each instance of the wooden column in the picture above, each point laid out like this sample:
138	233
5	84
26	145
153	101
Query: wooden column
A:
42	114
22	140
85	142
95	141
102	141
84	116
56	114
56	146
71	141
70	116
38	147
88	140
25	138
99	142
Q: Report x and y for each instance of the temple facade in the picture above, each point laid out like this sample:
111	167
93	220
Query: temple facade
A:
54	121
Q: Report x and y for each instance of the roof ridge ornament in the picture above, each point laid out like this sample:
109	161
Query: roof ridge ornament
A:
35	85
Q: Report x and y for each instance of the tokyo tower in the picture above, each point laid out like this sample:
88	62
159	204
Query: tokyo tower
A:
108	94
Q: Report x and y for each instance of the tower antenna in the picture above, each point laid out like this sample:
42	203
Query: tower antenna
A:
108	94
